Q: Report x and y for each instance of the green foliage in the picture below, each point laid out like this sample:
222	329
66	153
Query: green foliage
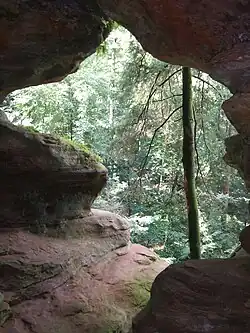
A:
109	26
125	106
102	49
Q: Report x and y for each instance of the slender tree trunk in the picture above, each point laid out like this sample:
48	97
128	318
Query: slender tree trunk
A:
226	185
129	210
71	125
189	166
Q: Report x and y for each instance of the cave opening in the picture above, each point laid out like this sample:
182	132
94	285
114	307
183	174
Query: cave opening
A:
61	260
112	106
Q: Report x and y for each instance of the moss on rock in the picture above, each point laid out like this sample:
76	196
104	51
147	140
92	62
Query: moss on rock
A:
83	148
30	129
5	310
86	155
139	292
118	314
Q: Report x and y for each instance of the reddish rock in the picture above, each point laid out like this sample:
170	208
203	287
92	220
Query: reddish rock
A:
245	239
44	41
91	284
63	268
212	36
199	296
44	180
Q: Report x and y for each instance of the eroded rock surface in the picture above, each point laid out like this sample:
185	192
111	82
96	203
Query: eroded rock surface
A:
199	296
46	40
3	116
44	180
91	284
63	267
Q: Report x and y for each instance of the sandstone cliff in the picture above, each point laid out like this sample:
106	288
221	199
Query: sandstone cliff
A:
64	267
45	40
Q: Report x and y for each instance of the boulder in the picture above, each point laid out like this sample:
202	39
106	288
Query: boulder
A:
199	296
44	179
46	40
63	267
94	283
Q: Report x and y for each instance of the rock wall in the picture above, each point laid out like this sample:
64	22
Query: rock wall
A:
63	267
199	296
94	281
45	40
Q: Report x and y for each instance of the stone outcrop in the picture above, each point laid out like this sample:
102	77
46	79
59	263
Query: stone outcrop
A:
199	296
45	40
92	281
63	267
44	180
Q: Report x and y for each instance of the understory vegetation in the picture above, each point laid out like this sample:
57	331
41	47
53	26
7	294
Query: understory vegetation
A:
126	106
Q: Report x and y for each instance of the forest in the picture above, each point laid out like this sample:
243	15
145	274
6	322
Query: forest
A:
126	106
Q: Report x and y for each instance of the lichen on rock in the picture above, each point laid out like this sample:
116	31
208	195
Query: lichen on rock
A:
139	292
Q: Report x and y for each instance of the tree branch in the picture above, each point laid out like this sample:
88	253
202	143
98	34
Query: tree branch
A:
155	132
169	97
151	93
169	77
208	83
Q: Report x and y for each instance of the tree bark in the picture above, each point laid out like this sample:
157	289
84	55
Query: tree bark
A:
189	166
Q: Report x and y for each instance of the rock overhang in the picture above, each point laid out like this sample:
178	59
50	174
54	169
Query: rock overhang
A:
46	40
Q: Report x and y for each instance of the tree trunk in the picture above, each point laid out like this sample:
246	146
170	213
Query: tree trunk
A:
189	166
226	185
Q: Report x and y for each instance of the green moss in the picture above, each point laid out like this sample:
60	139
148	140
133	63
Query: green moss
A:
81	147
118	316
74	144
30	129
88	156
5	310
112	330
139	292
